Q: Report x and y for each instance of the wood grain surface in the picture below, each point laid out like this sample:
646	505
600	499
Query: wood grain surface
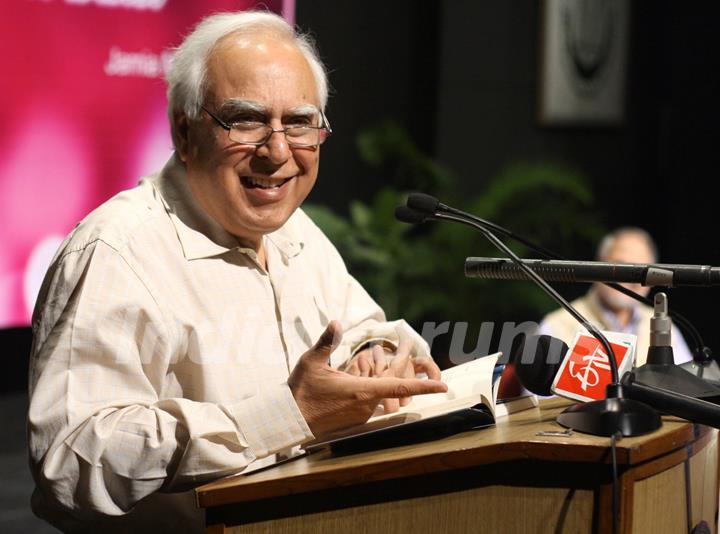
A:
514	438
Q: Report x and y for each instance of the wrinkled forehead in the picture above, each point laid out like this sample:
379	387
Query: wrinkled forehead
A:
631	248
260	62
259	39
261	67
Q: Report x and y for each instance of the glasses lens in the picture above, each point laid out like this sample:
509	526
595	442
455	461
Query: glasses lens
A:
256	133
249	132
303	136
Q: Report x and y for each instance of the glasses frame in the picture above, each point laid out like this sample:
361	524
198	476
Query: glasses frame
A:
325	126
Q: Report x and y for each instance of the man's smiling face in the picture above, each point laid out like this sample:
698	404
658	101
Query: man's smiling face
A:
252	191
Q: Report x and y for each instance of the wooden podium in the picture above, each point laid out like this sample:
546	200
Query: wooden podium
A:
512	477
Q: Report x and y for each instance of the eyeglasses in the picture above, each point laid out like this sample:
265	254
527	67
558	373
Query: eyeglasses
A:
258	133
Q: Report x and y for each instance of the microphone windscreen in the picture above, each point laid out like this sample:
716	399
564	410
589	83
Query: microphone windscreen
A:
410	216
537	360
423	203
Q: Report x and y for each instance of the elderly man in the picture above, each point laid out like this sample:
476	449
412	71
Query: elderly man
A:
610	309
193	327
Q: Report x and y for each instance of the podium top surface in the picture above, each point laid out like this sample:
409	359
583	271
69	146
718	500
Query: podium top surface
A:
512	438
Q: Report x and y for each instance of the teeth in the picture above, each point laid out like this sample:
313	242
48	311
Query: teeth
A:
267	183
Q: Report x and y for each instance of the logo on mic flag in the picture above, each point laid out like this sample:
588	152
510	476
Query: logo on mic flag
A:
585	371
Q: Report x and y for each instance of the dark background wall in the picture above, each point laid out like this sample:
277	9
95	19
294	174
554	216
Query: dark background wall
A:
462	77
470	69
488	76
382	59
655	171
674	90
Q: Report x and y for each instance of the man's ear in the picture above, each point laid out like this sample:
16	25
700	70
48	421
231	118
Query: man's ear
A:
181	127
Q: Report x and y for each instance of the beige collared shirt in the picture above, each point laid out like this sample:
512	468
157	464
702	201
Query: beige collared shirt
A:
562	325
162	350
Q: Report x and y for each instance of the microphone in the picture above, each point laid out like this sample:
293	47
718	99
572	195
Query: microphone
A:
537	376
670	402
660	274
606	417
537	360
425	203
432	207
410	216
703	364
660	369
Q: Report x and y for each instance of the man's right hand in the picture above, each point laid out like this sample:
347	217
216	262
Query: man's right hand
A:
330	399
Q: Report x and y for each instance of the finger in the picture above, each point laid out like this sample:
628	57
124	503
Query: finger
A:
364	365
399	366
397	388
380	360
428	366
391	405
402	367
410	369
327	343
404	347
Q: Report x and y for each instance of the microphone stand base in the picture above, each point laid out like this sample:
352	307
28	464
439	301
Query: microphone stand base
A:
610	416
708	370
678	380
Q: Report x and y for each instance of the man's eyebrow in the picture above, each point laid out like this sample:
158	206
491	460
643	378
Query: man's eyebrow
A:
236	106
304	109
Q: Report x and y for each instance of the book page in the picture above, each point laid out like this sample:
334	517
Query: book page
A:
467	384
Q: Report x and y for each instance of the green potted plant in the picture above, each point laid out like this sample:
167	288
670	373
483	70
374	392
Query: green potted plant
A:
417	272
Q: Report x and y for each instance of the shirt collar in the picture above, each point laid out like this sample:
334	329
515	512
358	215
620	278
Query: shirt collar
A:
608	317
199	234
287	238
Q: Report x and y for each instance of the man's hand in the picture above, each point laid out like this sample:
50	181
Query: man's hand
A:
379	361
330	399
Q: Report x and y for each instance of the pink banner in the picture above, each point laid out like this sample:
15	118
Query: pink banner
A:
83	117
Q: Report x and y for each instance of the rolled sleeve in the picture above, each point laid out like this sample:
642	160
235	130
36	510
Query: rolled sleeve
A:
102	433
270	421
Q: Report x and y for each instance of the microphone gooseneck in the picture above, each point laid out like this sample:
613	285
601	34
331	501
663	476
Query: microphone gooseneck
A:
545	286
615	414
702	355
427	204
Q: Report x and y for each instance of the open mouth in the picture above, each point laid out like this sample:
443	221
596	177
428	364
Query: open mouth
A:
253	182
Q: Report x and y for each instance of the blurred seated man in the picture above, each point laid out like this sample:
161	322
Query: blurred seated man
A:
610	309
194	326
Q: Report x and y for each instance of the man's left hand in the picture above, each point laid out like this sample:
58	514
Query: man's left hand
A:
382	361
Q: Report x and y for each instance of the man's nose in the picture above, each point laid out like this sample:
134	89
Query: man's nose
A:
276	148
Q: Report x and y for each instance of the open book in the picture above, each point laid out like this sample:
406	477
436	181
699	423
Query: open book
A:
469	403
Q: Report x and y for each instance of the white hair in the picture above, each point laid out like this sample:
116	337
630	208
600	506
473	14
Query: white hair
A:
186	78
608	242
